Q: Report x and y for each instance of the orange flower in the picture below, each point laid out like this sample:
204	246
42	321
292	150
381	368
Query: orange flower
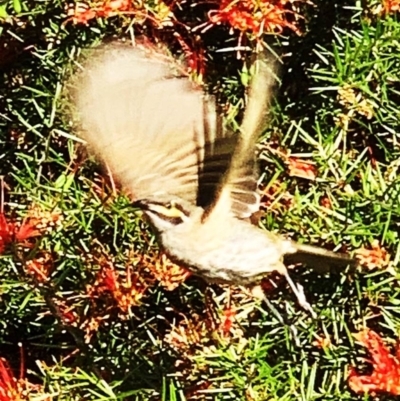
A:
375	258
35	223
113	7
322	342
10	232
326	202
9	390
302	168
227	321
6	232
13	389
91	325
169	274
185	335
391	6
40	267
255	16
195	58
126	293
65	312
82	13
385	376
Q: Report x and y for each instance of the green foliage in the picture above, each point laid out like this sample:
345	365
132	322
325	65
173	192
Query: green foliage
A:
337	107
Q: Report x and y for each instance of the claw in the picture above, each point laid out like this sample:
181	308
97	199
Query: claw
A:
298	290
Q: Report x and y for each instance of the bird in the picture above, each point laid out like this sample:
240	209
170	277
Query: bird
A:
163	137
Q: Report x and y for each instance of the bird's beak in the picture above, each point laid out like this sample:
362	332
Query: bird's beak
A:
141	204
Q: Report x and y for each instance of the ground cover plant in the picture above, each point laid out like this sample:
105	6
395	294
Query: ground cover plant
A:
89	307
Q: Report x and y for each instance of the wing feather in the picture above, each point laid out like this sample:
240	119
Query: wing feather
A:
161	135
238	191
145	119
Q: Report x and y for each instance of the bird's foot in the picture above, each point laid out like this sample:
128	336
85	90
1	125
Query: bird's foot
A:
301	298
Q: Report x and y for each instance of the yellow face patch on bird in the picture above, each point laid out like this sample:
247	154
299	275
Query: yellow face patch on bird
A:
170	210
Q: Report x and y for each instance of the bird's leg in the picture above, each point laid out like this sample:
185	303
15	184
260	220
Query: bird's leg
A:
301	298
257	292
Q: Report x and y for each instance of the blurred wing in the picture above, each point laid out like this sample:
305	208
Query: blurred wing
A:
216	158
150	124
238	191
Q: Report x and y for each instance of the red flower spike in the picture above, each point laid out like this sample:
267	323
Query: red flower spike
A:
168	274
391	6
10	232
82	13
126	291
375	258
8	383
195	58
302	168
40	267
227	321
256	16
27	230
385	376
6	232
110	279
13	389
36	222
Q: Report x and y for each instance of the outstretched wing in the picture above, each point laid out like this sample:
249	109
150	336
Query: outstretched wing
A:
152	126
238	191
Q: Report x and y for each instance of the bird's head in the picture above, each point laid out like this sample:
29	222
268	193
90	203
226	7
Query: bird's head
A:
166	215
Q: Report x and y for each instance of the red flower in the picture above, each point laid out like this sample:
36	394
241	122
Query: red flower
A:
255	16
227	320
6	232
40	267
375	258
13	389
194	57
167	273
82	13
36	222
126	291
391	6
10	232
8	383
385	376
302	168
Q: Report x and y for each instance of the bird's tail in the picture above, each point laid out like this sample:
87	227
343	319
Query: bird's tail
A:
319	259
